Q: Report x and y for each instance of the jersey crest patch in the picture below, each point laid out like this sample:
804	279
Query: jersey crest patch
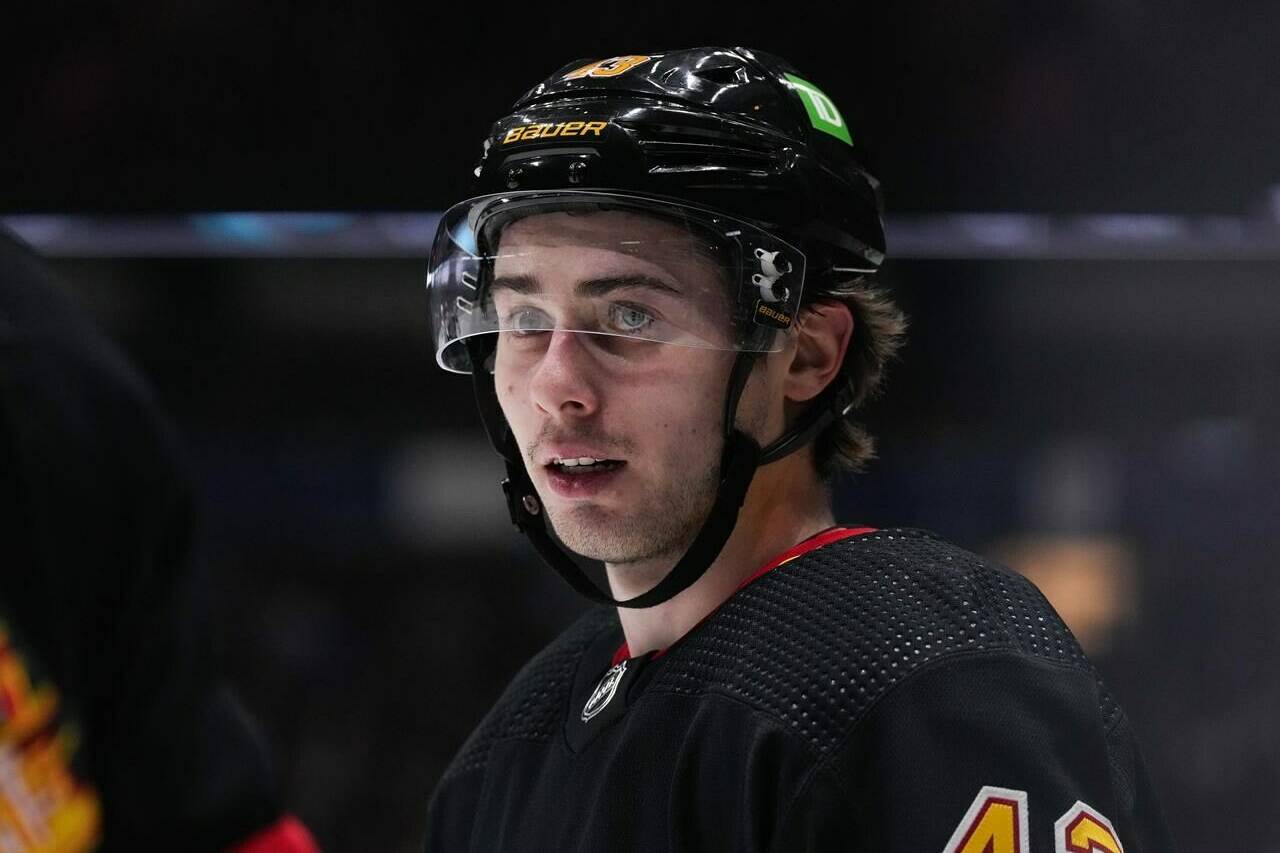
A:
45	805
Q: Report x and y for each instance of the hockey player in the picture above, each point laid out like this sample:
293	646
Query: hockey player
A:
661	291
115	732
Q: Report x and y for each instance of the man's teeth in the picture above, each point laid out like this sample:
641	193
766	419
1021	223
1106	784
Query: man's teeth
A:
581	460
585	463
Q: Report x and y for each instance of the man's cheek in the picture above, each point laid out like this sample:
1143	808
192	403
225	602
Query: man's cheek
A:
509	396
689	442
509	400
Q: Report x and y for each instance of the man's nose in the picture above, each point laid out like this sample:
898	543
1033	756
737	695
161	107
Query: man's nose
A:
566	379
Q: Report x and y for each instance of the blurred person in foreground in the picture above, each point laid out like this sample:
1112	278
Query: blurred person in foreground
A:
662	292
114	732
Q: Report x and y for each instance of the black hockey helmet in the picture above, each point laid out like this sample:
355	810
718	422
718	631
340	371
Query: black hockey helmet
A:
734	145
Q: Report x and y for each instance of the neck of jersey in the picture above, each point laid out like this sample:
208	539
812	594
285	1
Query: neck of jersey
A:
825	537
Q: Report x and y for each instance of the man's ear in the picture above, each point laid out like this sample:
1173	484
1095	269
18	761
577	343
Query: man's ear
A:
823	333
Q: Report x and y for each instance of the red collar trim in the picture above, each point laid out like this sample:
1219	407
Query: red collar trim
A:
813	543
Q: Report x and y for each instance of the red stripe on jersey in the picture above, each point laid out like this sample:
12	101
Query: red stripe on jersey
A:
826	537
813	543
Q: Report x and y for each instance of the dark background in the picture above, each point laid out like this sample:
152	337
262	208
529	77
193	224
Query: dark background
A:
989	105
372	597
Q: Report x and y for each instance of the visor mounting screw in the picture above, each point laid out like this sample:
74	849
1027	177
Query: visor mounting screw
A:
513	177
577	171
531	504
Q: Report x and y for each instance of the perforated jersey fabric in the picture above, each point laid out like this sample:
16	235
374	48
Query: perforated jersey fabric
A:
860	697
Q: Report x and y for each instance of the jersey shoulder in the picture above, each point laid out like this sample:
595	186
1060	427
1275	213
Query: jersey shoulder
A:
531	707
817	642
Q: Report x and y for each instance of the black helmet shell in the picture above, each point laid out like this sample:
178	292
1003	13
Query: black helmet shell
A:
726	129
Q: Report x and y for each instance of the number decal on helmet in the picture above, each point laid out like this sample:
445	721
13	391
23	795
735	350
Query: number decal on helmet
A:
611	67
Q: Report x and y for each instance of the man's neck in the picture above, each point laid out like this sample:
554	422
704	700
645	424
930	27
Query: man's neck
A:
786	504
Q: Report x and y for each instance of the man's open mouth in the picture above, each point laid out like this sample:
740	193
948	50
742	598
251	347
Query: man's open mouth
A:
584	465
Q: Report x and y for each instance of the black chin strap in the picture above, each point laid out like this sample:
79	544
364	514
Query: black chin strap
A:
831	405
738	465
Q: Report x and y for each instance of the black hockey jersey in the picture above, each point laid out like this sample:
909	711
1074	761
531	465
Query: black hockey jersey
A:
113	723
886	691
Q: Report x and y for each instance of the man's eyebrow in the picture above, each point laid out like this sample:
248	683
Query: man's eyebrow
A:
607	284
590	287
516	284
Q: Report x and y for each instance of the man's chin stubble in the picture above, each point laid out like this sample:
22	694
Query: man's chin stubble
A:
617	542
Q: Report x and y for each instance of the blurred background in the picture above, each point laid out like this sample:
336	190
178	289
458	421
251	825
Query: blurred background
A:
1084	226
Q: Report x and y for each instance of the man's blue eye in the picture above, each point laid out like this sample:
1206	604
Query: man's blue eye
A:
527	320
629	319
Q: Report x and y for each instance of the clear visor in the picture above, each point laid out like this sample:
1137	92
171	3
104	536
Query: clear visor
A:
525	264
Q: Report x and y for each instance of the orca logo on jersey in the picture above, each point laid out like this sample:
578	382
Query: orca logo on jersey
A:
603	694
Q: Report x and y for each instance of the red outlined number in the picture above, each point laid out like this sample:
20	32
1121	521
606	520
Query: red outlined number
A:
1084	830
996	822
997	819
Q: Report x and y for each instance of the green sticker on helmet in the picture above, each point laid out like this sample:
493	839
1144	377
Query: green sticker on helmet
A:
821	109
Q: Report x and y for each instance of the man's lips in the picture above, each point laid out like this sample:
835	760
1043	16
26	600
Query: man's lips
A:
569	469
582	481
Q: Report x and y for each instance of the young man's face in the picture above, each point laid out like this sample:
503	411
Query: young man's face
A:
654	410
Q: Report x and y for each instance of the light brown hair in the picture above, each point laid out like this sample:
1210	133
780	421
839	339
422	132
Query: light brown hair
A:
879	331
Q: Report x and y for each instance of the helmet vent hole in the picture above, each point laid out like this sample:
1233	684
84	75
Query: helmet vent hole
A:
725	75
